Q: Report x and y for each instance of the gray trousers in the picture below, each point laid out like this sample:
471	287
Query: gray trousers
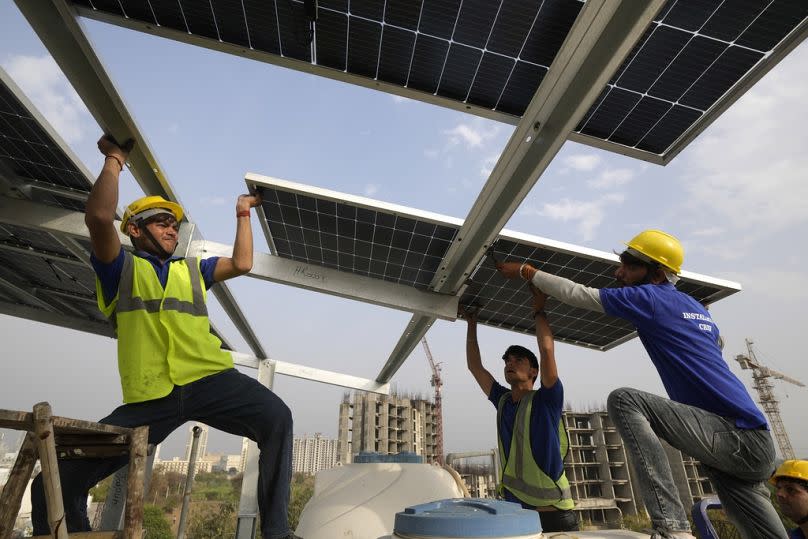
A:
737	461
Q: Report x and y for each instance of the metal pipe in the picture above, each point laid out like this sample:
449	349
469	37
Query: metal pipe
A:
189	483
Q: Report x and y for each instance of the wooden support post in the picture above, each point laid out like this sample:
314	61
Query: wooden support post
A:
46	446
133	519
15	486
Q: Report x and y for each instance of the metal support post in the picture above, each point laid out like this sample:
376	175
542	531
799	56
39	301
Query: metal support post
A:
189	483
248	506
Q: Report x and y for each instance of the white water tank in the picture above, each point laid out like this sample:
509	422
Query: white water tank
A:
360	501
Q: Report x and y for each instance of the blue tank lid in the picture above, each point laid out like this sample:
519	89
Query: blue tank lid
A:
365	457
467	517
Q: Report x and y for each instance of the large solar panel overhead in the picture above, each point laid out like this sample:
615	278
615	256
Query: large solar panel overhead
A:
491	56
692	54
406	246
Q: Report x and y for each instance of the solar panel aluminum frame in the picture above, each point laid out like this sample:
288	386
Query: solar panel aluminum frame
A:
56	24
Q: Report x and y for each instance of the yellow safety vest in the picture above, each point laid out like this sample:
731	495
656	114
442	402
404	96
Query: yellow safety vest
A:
520	473
164	336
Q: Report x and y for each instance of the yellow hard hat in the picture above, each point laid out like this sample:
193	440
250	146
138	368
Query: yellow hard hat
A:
659	247
150	203
795	469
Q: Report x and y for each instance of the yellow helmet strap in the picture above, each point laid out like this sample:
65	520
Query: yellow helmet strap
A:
141	221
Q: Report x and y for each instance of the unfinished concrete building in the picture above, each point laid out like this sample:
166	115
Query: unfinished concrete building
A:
386	424
598	470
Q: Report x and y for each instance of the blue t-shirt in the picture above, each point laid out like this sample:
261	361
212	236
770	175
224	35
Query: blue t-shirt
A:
796	533
682	340
544	418
110	274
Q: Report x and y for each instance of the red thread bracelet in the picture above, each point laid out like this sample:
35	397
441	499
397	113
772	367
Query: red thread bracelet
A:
116	159
243	213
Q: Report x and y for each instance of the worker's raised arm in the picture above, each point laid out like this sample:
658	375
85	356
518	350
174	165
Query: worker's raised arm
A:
103	201
473	359
564	290
544	335
242	260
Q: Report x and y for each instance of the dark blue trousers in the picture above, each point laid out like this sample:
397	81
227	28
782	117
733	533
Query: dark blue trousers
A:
228	401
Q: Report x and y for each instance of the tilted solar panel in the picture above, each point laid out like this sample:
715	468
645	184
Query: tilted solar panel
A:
407	246
29	151
490	57
484	53
691	55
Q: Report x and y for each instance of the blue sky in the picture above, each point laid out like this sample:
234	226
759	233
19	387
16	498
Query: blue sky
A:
736	197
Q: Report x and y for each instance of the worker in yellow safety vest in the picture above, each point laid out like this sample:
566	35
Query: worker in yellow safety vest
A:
532	438
172	368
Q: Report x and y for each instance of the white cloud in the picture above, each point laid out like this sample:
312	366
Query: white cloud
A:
471	137
587	214
213	201
43	82
583	162
748	171
371	189
612	178
488	165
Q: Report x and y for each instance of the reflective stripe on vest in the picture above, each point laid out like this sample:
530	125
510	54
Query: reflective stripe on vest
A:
164	337
519	466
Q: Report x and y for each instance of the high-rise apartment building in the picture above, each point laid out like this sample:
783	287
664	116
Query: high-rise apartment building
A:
386	424
311	454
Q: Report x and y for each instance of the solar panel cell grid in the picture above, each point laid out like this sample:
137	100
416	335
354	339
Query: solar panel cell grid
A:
398	245
691	56
31	239
29	152
352	238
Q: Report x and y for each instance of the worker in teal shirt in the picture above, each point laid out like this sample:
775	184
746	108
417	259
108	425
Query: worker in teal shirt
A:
530	415
709	415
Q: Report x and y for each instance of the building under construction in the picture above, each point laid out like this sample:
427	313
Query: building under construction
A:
386	424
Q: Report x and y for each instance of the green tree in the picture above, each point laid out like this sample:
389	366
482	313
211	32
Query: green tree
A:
155	523
212	521
302	491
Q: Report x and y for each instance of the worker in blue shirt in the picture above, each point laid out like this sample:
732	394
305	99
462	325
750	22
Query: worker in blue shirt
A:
709	416
791	484
532	438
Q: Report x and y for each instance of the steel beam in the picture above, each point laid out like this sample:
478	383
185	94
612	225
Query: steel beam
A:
56	24
599	40
314	374
56	319
340	283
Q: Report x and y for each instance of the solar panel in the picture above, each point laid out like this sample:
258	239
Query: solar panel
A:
484	53
30	153
403	247
407	246
694	52
490	57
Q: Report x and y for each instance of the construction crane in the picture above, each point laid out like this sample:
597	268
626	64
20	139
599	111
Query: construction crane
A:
761	375
437	383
